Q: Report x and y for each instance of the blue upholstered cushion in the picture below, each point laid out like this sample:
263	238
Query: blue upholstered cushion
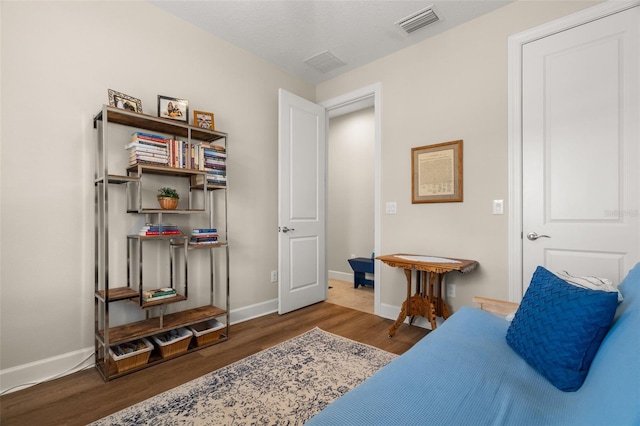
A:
559	327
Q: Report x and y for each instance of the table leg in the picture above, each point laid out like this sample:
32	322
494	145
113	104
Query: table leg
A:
432	313
434	283
443	309
411	310
404	311
432	316
420	303
403	315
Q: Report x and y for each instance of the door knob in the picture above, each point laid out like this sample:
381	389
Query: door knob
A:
285	229
533	236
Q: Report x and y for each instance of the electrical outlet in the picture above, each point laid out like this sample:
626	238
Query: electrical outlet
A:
274	276
451	290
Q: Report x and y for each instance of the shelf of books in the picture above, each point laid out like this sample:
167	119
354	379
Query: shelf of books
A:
151	297
165	230
202	161
158	150
205	237
162	300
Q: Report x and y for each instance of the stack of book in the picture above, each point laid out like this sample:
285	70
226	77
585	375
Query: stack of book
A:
204	236
214	162
179	154
152	229
147	148
158	294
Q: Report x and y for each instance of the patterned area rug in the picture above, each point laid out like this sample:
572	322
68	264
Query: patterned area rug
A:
285	384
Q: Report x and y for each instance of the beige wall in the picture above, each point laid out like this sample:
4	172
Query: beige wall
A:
350	203
452	86
58	60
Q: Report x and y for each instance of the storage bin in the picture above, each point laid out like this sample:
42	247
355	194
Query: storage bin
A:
173	342
207	332
136	358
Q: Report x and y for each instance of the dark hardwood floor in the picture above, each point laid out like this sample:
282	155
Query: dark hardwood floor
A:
83	397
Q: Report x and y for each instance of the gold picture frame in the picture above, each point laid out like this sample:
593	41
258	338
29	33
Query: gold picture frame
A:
436	173
204	120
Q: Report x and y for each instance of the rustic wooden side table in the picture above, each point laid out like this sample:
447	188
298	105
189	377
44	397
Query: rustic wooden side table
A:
429	299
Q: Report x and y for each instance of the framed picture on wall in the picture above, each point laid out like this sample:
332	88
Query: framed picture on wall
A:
204	120
173	108
436	173
120	100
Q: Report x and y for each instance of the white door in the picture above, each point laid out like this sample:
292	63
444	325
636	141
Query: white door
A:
580	137
301	191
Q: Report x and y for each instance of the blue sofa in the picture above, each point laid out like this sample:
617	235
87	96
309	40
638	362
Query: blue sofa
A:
465	373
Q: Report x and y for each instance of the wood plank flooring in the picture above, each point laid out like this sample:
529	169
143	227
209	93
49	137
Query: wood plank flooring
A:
83	397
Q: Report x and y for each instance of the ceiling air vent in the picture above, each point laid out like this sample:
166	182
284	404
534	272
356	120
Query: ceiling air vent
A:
418	20
324	62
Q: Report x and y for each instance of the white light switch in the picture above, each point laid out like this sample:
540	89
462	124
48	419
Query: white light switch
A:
498	207
391	207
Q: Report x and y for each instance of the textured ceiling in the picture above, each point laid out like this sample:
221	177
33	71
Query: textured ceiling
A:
287	32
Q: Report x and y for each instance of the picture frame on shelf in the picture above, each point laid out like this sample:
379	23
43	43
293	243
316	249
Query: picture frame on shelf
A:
122	101
436	173
204	120
173	108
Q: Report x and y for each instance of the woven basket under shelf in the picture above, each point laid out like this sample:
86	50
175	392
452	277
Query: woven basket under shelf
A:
132	360
207	332
176	346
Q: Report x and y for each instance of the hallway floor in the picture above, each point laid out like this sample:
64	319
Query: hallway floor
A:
342	293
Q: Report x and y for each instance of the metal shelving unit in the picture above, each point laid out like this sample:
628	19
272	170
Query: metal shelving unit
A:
177	246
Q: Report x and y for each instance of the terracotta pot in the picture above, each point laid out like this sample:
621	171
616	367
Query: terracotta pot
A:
168	203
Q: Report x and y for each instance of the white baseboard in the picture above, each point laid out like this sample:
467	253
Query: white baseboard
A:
26	375
341	276
253	311
389	311
345	276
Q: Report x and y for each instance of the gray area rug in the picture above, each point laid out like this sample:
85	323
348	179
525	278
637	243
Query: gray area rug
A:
285	384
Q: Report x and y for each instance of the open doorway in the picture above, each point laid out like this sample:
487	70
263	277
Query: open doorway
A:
365	98
351	203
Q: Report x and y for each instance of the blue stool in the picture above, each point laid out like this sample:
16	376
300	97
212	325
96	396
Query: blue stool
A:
361	266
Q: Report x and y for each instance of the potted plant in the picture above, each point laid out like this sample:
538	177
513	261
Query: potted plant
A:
168	198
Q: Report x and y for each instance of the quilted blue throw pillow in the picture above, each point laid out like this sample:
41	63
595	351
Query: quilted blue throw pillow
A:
558	328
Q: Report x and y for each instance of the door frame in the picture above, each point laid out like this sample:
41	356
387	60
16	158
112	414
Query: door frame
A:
515	45
350	98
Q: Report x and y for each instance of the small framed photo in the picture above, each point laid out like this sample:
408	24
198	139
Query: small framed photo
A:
203	120
436	173
173	108
120	100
